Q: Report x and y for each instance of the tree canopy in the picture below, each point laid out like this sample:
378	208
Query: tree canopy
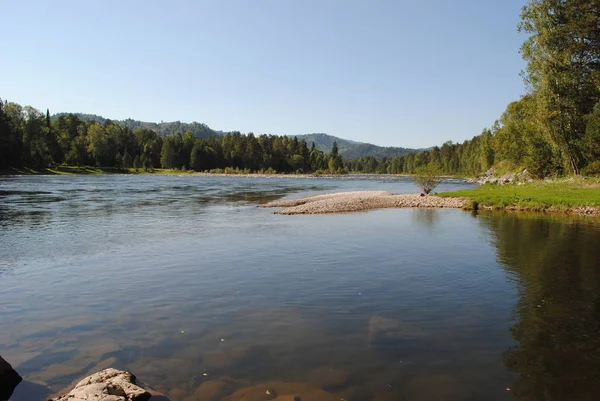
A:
29	138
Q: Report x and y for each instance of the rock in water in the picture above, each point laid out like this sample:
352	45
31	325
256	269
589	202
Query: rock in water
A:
107	385
9	379
384	331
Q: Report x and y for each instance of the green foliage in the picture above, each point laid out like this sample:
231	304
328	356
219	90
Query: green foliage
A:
592	169
29	138
198	130
563	72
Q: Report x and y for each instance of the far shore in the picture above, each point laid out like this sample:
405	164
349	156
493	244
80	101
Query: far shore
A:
90	170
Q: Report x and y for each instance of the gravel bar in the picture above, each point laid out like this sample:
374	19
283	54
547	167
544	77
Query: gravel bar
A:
359	201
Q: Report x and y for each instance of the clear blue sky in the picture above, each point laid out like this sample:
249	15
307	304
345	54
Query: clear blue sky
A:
390	72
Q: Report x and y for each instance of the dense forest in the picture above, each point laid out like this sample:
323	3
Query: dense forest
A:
554	129
200	130
32	139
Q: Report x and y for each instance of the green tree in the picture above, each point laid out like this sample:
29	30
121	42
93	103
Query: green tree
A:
137	163
118	160
98	145
170	156
563	71
427	178
126	160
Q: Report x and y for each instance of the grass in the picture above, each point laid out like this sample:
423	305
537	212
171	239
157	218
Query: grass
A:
534	196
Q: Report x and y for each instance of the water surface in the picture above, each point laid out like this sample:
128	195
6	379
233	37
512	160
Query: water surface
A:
183	281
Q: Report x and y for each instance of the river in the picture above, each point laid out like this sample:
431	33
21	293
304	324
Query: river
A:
184	281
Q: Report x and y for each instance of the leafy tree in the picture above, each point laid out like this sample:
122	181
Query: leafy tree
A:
127	163
118	161
563	71
427	178
137	163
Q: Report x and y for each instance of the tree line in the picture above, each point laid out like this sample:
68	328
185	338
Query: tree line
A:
29	138
554	129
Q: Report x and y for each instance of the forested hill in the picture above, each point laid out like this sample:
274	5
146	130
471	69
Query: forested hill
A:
200	130
351	149
323	142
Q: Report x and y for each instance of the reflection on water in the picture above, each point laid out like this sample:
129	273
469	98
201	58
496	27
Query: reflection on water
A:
556	266
426	217
185	282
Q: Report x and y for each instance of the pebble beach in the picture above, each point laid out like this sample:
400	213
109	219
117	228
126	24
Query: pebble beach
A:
359	201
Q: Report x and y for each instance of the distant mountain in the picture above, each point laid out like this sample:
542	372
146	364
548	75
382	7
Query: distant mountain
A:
347	148
198	129
351	149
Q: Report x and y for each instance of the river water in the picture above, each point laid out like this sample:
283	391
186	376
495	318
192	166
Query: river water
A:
186	283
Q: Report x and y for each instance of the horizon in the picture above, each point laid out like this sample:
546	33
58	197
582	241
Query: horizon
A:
336	67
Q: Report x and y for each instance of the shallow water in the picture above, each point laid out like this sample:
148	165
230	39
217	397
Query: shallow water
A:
183	281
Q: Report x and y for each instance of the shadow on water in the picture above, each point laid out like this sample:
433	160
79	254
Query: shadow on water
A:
555	264
27	391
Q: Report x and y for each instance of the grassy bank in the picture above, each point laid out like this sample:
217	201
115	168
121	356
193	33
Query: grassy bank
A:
565	195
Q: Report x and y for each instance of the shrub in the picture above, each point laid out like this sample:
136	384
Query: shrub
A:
427	178
592	168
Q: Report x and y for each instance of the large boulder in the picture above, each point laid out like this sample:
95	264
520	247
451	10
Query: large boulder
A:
107	385
9	379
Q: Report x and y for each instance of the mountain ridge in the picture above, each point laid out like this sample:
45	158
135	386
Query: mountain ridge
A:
352	149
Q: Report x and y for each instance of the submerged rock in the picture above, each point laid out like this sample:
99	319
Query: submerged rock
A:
9	379
383	330
212	390
107	385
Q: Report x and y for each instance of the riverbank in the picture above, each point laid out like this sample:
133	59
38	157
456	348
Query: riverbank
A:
572	196
89	170
360	201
